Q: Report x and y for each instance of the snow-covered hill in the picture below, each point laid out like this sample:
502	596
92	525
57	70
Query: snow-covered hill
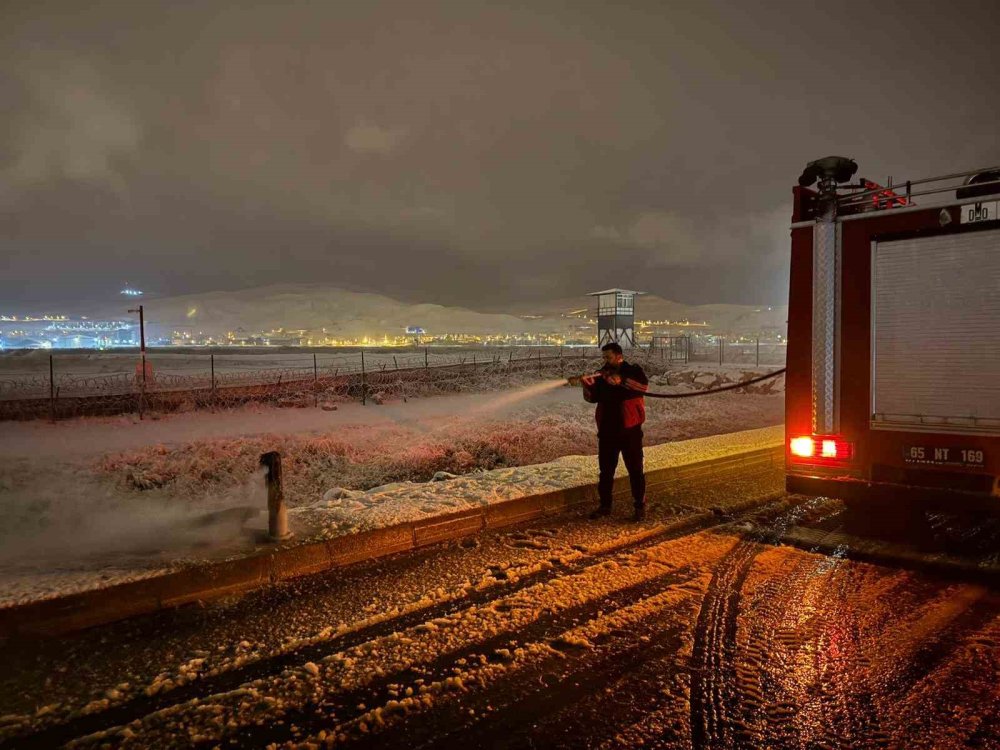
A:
345	313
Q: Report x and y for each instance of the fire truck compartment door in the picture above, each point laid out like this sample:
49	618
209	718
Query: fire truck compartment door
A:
936	333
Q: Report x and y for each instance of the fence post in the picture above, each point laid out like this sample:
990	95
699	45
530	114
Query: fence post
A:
402	383
364	380
426	365
277	514
212	361
720	350
758	351
52	391
315	381
142	387
142	341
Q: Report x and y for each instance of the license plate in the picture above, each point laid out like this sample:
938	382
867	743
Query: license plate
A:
973	458
974	213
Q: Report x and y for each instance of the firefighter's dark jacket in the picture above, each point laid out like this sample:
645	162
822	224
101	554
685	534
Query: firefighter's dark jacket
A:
619	407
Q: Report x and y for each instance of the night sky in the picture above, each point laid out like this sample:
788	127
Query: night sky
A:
459	152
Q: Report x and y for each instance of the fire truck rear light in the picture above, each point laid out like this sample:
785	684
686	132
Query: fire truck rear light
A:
802	447
821	449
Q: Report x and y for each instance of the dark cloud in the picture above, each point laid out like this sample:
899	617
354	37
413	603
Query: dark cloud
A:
460	152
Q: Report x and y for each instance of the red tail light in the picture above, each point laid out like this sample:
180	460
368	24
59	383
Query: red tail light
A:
820	449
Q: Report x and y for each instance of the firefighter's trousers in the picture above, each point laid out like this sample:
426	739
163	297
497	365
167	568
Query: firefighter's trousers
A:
629	444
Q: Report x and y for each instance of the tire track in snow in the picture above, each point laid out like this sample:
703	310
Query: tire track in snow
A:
802	674
306	701
714	679
793	693
560	676
231	679
713	661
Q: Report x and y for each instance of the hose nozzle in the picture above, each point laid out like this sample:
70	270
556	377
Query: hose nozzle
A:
578	379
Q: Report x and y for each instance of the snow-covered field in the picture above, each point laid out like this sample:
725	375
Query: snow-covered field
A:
35	362
99	500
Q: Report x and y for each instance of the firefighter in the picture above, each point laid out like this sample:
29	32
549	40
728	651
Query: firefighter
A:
617	390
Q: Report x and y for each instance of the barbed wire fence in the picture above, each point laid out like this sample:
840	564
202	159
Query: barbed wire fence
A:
217	382
721	350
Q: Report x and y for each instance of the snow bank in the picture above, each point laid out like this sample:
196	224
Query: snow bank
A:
81	512
343	511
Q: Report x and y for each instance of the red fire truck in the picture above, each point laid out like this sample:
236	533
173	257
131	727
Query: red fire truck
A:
893	382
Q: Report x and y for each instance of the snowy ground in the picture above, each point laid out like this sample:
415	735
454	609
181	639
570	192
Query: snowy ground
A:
94	501
582	635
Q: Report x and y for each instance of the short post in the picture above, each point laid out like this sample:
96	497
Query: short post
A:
426	364
277	514
364	380
720	350
212	361
758	351
315	381
539	363
52	391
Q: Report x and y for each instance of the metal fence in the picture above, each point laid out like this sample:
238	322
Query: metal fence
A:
59	387
175	381
719	350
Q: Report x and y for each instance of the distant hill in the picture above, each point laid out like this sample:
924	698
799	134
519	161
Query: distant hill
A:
344	313
314	307
721	318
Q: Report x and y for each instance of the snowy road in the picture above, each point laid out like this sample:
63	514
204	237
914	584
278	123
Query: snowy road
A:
693	630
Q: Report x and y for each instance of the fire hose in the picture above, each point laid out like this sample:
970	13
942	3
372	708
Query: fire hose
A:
731	387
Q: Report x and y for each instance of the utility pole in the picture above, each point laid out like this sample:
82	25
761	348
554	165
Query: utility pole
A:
142	355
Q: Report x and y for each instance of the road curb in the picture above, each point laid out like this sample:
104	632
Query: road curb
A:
210	581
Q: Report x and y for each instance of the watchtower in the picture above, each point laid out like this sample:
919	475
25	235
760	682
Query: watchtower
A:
616	316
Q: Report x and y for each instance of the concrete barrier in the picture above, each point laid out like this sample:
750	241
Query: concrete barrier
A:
210	581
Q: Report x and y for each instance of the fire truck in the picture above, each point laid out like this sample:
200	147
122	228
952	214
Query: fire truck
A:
893	373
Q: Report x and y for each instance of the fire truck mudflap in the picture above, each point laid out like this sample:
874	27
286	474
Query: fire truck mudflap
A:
893	383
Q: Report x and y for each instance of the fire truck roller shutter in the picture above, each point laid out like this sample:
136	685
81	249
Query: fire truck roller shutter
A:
936	333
